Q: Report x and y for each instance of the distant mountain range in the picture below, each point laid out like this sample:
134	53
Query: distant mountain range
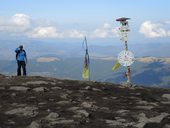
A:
65	60
61	49
146	71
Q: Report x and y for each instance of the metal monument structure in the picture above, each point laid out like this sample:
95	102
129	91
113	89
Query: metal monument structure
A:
125	58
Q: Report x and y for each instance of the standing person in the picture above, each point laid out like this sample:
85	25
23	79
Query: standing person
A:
21	58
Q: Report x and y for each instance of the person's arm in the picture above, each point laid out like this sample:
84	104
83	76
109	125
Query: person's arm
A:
16	50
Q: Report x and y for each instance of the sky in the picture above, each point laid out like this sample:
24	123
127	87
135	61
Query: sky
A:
71	20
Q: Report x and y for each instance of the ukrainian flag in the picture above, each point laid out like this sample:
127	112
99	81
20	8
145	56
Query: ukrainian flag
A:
85	73
116	66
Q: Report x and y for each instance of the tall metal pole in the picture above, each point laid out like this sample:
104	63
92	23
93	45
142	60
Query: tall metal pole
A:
124	37
128	72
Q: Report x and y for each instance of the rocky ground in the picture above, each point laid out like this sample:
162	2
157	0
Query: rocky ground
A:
38	102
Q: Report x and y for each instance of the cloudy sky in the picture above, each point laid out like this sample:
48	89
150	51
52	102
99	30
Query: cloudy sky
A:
74	19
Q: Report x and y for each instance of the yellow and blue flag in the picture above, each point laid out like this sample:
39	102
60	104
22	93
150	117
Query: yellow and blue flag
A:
85	73
117	65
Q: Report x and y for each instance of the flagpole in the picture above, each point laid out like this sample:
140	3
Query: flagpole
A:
86	42
88	58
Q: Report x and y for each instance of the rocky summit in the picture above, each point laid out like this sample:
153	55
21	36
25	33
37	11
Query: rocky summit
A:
42	102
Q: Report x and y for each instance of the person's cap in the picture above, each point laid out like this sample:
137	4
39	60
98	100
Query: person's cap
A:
21	46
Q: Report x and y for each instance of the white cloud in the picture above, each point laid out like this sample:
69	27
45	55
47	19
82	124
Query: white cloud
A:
107	26
168	33
16	24
101	33
106	31
44	32
115	32
167	22
23	25
74	33
21	20
152	30
1	20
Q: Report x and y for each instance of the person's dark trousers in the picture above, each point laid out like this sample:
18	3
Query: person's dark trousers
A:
23	65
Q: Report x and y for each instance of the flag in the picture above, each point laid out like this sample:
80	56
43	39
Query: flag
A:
116	66
85	73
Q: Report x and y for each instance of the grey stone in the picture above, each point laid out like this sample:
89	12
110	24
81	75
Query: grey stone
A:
166	96
13	94
56	88
63	102
142	102
113	123
40	89
114	98
59	82
36	83
87	88
87	98
48	110
11	122
52	83
64	121
19	88
18	105
122	111
167	126
64	96
69	92
34	124
83	113
26	111
73	108
87	104
145	107
120	119
51	100
105	98
96	89
52	116
42	103
165	102
144	120
119	122
104	108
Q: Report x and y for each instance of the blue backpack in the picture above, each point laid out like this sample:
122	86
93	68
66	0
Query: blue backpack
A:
19	52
